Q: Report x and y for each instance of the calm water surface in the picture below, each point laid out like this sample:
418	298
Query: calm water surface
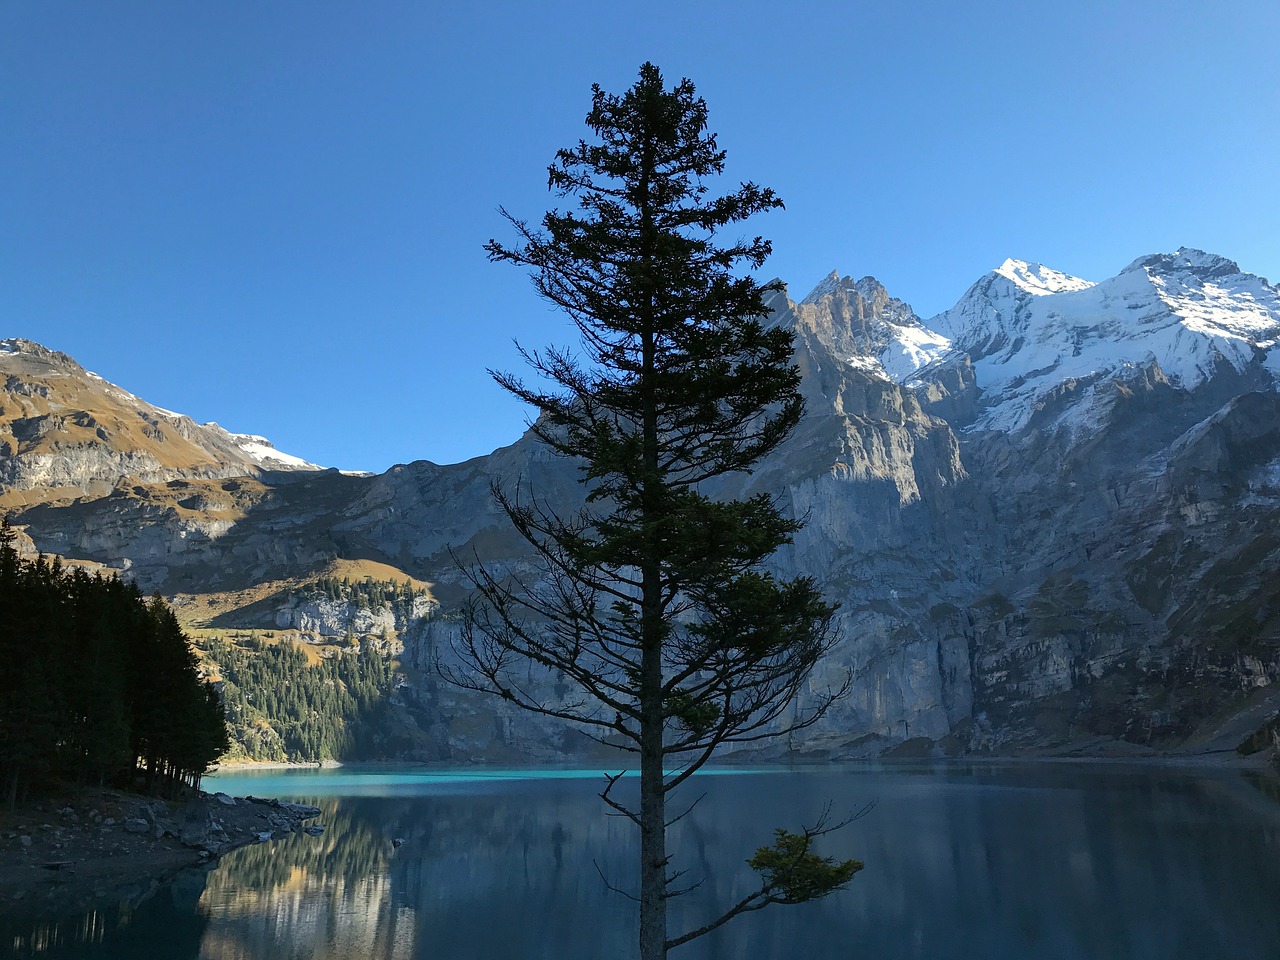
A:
981	861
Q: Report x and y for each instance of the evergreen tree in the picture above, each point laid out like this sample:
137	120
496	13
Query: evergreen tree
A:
654	600
95	682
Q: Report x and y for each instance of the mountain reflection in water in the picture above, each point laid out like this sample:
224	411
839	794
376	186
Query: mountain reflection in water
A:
970	861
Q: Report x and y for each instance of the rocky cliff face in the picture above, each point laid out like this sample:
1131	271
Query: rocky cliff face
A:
1051	514
1125	436
333	618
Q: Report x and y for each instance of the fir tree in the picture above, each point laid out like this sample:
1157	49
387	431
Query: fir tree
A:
654	600
95	683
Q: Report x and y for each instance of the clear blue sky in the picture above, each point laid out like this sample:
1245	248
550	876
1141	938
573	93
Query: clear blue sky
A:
271	214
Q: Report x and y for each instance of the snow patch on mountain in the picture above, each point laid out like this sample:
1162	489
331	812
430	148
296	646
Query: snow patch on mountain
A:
1272	364
163	411
910	348
1037	279
262	452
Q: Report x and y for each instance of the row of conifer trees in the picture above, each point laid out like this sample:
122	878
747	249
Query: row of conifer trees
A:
98	684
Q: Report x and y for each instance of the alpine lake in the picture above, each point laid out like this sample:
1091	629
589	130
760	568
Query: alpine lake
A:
966	860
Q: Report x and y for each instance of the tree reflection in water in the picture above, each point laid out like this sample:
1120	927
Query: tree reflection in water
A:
120	926
353	892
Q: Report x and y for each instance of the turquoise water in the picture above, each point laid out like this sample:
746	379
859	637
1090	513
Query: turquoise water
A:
363	781
983	861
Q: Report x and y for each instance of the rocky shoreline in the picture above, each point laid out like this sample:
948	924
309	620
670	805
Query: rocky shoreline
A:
88	847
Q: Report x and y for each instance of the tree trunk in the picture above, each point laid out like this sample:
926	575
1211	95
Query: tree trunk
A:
653	828
653	825
653	814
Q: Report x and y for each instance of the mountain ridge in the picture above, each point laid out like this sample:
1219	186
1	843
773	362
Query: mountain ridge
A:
1032	549
75	434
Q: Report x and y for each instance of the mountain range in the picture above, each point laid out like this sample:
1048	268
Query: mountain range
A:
1051	515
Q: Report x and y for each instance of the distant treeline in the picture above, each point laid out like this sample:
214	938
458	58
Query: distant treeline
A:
368	593
97	684
282	707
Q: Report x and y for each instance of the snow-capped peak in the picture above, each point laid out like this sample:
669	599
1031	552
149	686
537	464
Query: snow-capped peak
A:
1036	278
1186	260
991	317
1189	312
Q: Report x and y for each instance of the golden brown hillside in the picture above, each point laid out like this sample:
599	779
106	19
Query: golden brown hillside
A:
67	434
